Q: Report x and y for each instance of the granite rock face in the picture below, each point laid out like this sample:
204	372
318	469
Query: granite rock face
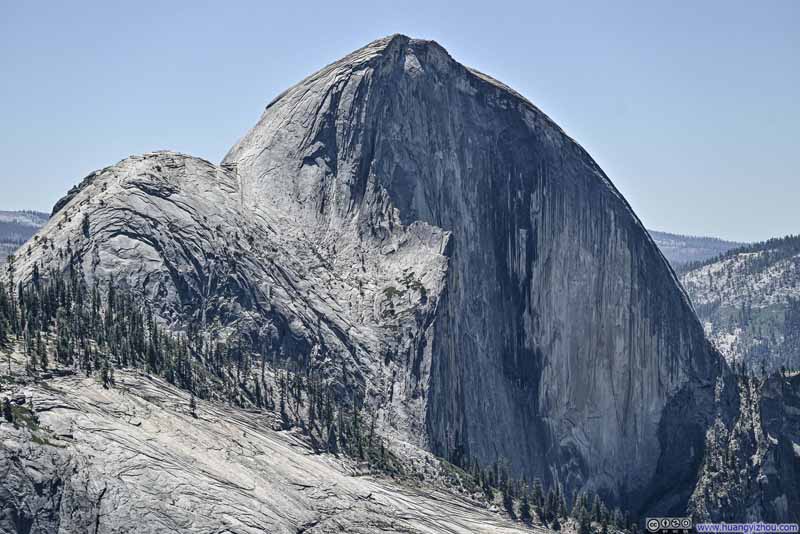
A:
416	229
561	338
134	459
180	232
751	471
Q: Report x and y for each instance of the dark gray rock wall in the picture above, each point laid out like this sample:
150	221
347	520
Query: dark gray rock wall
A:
562	335
43	488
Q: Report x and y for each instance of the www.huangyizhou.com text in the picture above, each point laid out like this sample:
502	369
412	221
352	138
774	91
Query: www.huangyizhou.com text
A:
747	528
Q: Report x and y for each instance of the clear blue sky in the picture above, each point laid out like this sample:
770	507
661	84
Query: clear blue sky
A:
692	108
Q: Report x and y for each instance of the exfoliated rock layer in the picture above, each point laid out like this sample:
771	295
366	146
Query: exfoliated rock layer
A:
135	459
420	232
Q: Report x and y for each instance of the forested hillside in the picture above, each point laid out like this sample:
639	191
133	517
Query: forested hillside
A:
749	302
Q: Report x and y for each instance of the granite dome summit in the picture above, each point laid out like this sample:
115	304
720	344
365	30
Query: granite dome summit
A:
560	330
416	230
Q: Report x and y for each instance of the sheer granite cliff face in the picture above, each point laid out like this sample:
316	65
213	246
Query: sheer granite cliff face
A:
418	230
562	342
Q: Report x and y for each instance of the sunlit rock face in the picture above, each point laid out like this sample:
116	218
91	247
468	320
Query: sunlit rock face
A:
418	231
561	341
133	458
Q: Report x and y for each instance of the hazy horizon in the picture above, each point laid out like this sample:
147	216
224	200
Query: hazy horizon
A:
690	109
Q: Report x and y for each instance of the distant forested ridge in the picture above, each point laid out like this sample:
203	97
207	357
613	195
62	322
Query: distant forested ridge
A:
16	227
681	250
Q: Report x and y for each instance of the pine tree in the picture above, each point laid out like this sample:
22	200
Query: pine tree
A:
85	225
259	396
35	276
344	433
525	509
5	331
41	352
550	509
371	436
357	429
596	508
538	497
193	405
86	360
333	445
105	374
31	364
617	519
508	501
579	507
487	487
8	414
583	525
285	421
604	513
